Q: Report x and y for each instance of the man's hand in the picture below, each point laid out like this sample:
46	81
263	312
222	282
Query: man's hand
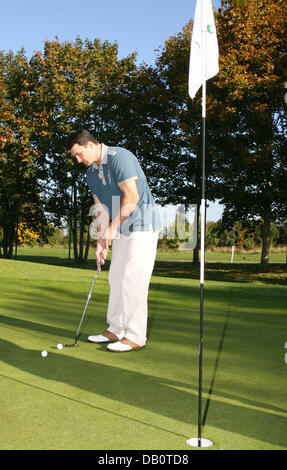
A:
128	204
104	244
109	236
101	252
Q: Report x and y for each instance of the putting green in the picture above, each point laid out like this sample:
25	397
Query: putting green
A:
88	398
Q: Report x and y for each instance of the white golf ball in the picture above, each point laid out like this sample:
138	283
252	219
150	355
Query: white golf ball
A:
44	354
59	346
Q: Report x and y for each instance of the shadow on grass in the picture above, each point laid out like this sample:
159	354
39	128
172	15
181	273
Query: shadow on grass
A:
164	397
216	365
225	272
60	261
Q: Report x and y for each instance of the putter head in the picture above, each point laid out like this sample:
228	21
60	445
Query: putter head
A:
72	345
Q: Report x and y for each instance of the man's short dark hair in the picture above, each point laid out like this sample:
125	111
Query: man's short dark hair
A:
81	137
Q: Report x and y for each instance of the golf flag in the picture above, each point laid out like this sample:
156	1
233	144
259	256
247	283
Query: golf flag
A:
204	48
203	65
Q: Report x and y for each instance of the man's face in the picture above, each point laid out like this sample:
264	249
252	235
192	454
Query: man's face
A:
84	153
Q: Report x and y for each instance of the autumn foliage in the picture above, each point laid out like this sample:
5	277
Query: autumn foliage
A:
147	109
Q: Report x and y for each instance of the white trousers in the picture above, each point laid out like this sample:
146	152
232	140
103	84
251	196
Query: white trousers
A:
129	277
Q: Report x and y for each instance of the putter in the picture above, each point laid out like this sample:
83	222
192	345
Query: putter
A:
75	344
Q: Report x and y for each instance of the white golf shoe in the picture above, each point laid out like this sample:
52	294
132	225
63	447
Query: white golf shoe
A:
106	337
123	346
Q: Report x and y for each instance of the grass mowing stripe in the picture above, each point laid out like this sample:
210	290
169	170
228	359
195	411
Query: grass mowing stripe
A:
79	402
244	369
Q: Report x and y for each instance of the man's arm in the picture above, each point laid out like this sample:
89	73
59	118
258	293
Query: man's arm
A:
102	216
128	204
102	224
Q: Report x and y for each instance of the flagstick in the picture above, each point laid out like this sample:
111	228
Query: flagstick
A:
202	256
203	23
199	442
202	236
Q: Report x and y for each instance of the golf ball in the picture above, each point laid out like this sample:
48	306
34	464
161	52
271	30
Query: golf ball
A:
59	346
44	354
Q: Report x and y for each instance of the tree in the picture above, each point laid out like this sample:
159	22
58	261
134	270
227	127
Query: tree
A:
179	126
19	188
246	118
249	154
80	85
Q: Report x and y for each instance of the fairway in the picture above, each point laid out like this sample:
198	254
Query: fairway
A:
89	398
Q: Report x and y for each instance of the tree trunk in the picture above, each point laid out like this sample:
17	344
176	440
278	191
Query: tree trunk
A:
8	239
81	244
87	247
75	224
70	215
266	238
82	248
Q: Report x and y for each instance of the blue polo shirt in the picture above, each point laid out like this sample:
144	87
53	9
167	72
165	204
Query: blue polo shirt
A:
119	166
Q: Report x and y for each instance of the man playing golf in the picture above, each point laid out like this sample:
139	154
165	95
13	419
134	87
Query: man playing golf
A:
129	220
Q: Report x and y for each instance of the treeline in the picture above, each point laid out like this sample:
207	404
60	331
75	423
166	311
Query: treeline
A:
245	237
147	109
242	236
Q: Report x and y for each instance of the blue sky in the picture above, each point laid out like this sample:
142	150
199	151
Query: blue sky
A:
136	26
141	26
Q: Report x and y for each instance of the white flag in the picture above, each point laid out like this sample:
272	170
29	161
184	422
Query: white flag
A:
203	54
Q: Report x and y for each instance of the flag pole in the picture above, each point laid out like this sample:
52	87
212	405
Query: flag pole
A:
203	43
202	234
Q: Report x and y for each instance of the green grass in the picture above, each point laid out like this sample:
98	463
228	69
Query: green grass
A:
60	255
223	256
88	398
